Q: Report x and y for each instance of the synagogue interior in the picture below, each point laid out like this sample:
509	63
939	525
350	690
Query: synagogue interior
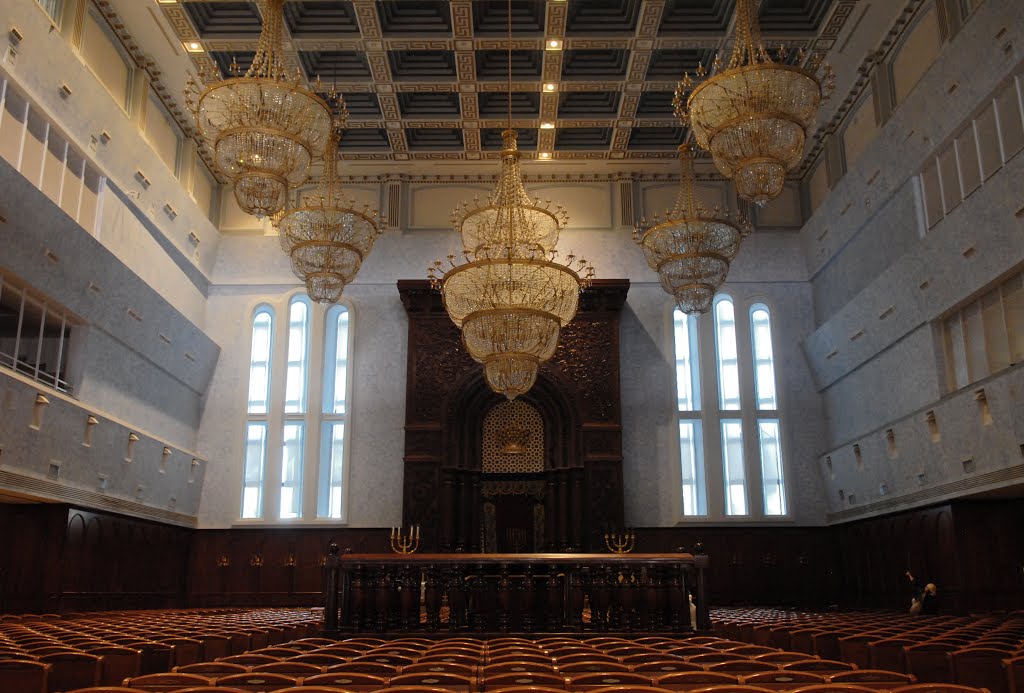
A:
506	345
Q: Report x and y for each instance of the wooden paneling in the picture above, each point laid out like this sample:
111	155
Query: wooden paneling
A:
268	567
55	558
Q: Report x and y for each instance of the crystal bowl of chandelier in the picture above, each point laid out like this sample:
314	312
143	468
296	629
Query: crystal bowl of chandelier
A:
754	120
510	309
265	134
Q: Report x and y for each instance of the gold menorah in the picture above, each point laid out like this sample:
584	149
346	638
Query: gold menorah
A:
620	542
405	543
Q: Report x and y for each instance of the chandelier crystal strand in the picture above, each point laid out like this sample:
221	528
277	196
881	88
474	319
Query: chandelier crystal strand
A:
754	116
509	294
328	237
265	127
691	247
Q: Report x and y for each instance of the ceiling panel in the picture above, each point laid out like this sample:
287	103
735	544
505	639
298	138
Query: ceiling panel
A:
425	79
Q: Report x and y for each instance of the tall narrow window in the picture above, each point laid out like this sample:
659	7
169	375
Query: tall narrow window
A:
332	429
298	356
764	362
769	444
295	408
691	445
771	467
291	471
728	363
732	464
257	410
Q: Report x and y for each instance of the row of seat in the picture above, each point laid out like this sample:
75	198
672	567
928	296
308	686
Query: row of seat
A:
105	648
268	687
985	652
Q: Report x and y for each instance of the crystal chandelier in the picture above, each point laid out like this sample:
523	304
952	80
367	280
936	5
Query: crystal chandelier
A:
510	296
327	237
691	247
265	127
755	115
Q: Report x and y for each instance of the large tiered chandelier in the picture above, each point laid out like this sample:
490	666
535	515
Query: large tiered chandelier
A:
510	296
265	127
753	116
691	247
328	237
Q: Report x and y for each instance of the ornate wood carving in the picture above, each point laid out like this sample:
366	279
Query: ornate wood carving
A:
577	394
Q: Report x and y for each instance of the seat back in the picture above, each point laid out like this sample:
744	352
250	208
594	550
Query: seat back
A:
257	682
72	670
352	681
166	682
23	676
119	663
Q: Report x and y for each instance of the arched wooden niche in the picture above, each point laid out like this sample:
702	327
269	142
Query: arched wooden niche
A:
578	492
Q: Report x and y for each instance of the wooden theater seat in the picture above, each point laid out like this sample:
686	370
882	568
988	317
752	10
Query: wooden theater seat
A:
981	667
212	669
782	680
543	679
690	680
349	681
450	682
873	678
23	676
166	682
72	670
256	682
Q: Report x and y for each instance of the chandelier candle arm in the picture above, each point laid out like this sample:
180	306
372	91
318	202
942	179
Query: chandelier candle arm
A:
755	115
265	127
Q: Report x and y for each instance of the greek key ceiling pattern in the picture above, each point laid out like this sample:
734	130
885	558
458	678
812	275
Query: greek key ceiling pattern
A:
426	79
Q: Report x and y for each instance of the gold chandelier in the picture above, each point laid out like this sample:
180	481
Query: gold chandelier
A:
510	296
327	237
691	247
265	127
755	115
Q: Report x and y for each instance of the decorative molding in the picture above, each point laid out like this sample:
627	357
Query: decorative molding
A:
49	490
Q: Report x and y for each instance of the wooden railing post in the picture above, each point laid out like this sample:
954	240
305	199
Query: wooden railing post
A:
333	566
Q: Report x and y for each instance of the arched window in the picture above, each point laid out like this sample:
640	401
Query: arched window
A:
691	443
257	412
292	454
294	462
332	423
729	402
767	411
744	424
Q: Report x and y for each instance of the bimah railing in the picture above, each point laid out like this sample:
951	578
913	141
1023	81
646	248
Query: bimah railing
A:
553	592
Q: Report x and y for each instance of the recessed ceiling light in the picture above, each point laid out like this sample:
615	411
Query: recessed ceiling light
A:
167	2
544	155
547	126
553	45
193	46
550	86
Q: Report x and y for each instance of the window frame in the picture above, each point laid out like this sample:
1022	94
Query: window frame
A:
258	418
693	416
313	420
713	417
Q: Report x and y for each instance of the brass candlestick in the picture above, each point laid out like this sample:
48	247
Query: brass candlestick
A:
620	542
405	543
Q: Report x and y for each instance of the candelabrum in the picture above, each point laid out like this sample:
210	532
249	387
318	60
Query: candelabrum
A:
223	561
620	542
405	543
256	561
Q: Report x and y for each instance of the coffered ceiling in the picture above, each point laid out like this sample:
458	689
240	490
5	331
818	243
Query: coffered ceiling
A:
426	79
